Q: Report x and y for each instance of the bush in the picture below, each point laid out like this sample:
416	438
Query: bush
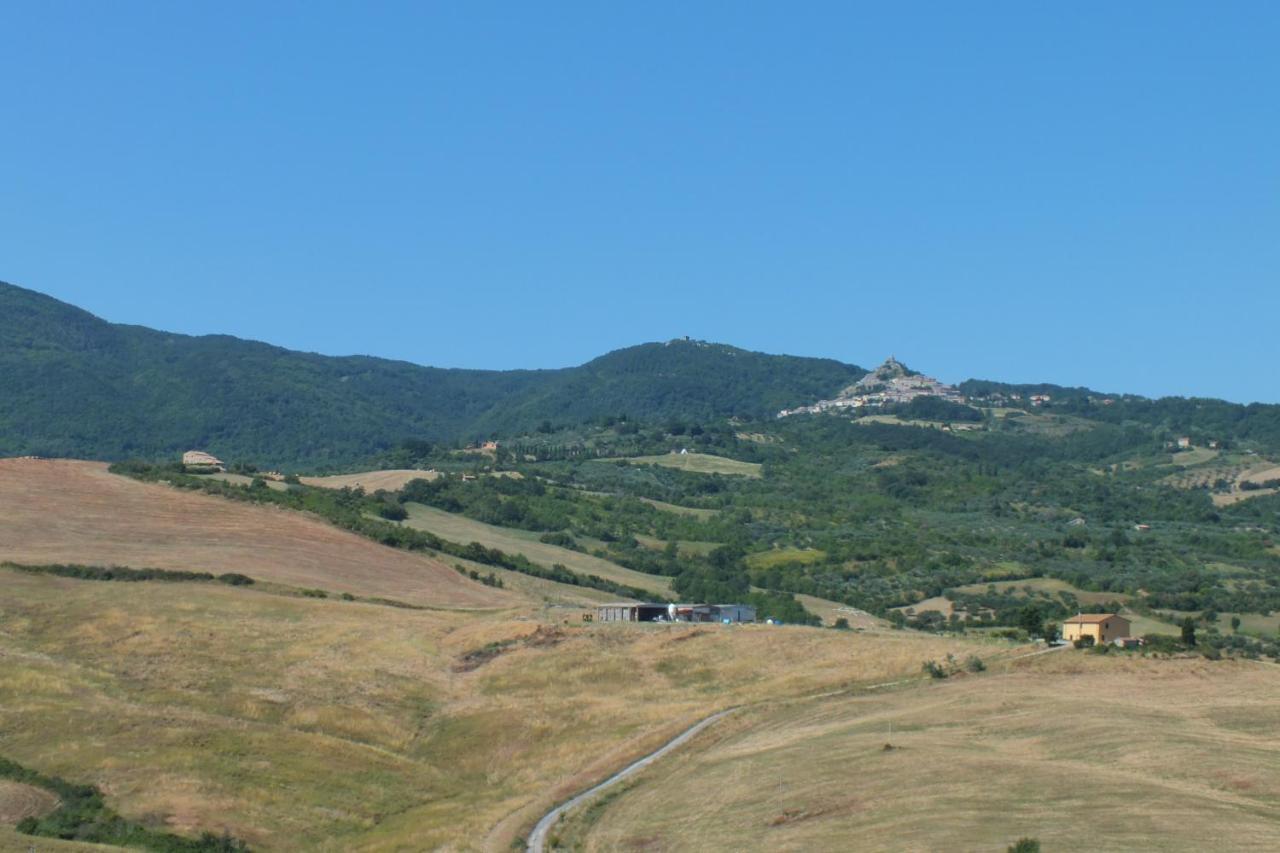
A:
934	669
975	664
393	512
1025	845
841	624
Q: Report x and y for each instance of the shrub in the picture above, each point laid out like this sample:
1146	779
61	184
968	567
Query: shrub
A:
934	669
1025	845
393	512
975	664
841	624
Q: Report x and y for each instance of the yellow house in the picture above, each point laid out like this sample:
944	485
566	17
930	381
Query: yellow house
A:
1103	627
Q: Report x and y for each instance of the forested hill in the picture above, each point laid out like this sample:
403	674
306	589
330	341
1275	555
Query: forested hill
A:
75	385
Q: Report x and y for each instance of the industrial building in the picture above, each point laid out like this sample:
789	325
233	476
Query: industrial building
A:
631	612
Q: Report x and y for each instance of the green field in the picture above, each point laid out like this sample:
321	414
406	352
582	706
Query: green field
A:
693	512
701	463
458	528
781	556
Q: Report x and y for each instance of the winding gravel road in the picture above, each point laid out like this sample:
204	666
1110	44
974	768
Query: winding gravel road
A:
538	838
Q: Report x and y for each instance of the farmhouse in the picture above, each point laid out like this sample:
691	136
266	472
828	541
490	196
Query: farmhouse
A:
200	459
1102	627
628	612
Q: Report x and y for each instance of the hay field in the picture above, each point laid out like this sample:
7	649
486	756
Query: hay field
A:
459	528
18	801
61	511
701	463
371	481
321	724
1081	751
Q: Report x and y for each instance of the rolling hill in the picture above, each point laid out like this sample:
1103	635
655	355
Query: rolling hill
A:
78	386
61	511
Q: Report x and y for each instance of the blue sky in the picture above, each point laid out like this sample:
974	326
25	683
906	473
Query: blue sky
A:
1083	193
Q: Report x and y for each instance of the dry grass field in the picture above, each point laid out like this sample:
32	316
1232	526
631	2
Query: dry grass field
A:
701	463
59	511
1049	585
680	510
18	801
459	528
1203	472
322	724
371	481
1082	751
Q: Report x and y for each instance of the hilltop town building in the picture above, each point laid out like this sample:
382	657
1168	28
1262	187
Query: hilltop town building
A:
890	384
1102	627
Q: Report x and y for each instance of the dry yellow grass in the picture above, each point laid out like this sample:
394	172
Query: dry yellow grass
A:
1081	751
18	801
371	481
321	724
59	511
459	528
1049	585
701	463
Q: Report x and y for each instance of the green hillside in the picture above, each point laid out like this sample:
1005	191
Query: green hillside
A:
76	385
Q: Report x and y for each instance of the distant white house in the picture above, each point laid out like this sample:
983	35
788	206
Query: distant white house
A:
200	459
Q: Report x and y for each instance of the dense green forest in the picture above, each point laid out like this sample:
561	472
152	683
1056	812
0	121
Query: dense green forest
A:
77	386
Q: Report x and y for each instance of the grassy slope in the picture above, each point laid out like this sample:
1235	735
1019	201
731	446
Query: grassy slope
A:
63	511
458	528
1083	752
371	481
701	463
321	724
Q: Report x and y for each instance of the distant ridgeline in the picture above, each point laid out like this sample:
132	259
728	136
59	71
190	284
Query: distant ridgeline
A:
77	386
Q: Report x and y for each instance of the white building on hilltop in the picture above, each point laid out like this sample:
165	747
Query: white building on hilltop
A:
200	459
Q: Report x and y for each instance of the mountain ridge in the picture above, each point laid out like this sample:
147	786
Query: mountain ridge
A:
78	385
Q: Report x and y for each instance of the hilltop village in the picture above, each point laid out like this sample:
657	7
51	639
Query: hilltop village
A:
890	384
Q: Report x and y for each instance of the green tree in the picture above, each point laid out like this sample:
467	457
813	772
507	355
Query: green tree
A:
1188	631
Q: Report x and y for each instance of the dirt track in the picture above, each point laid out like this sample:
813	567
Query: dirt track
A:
63	511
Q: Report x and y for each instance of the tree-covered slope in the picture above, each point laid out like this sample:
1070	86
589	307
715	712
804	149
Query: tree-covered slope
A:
75	385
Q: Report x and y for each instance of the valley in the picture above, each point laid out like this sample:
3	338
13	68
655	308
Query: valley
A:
364	632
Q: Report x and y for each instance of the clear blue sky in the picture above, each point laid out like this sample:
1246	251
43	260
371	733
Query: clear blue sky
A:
1083	193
